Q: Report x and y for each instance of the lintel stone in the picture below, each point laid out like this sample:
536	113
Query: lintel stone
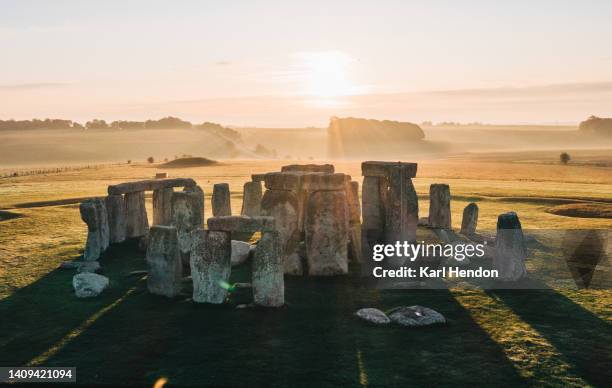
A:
243	224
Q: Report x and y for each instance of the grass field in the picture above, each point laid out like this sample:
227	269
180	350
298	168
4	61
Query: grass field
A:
555	336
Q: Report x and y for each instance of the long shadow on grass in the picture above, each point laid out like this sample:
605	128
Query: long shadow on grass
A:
315	341
36	317
583	338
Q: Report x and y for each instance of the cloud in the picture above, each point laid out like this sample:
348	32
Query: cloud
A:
537	90
222	63
32	86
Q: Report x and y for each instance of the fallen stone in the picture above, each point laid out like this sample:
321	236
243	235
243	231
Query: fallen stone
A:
326	168
510	248
373	315
137	223
221	200
211	266
149	185
242	224
164	262
117	218
470	219
414	316
88	266
251	199
326	229
162	206
240	252
87	285
439	206
267	272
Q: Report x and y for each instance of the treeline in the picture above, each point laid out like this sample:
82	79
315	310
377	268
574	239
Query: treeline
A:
96	124
597	125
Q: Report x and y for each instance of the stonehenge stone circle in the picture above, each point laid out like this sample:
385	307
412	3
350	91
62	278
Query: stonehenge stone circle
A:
510	248
325	168
243	224
103	223
91	216
267	272
221	200
162	206
210	265
137	224
117	218
326	231
251	199
164	261
439	206
401	207
470	219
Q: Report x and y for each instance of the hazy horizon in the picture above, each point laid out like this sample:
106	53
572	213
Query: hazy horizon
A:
267	64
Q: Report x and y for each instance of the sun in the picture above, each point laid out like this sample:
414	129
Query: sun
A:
326	74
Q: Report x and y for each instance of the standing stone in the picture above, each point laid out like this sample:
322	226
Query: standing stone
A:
510	249
137	224
352	198
187	215
401	207
372	228
90	215
164	262
470	219
211	265
267	272
283	206
162	206
115	207
103	222
251	199
221	200
439	206
355	244
326	233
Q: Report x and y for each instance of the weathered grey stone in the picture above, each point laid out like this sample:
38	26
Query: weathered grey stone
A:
211	265
87	285
373	212
381	169
117	218
352	198
72	264
283	206
470	219
258	177
326	168
162	206
251	199
401	207
412	316
90	215
88	266
355	253
510	248
137	224
240	252
373	315
282	181
326	233
320	181
243	224
439	206
187	216
164	261
103	223
267	272
149	185
221	205
293	265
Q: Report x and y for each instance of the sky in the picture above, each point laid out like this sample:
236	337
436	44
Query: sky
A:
290	63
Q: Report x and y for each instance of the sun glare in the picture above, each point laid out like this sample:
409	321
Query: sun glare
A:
327	74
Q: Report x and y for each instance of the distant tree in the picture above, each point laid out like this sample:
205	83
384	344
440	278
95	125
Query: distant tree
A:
96	124
150	159
564	158
76	125
129	161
